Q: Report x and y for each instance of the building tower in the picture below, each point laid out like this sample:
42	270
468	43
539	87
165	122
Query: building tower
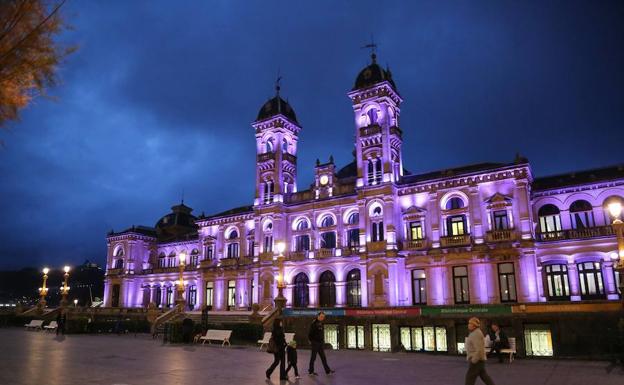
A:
378	137
277	133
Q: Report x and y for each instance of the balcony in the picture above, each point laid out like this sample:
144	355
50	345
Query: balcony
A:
590	232
416	244
298	255
245	261
114	272
350	251
289	157
455	240
207	263
396	131
371	130
226	262
266	257
266	156
500	236
375	247
325	253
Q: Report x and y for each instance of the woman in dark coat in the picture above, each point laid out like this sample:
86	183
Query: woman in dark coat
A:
280	352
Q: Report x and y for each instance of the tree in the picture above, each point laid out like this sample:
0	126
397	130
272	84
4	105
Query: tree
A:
29	55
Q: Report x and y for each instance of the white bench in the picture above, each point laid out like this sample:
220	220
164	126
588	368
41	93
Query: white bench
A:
511	350
217	335
265	340
267	336
34	324
51	327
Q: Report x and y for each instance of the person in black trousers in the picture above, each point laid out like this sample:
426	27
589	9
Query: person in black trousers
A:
280	350
317	340
291	354
61	319
499	340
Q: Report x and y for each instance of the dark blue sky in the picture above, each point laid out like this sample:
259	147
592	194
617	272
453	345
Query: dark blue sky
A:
160	95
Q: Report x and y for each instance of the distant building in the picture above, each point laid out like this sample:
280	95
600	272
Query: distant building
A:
370	235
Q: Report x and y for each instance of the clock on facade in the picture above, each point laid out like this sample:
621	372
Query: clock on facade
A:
324	180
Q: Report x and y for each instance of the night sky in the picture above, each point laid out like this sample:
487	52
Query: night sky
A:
160	95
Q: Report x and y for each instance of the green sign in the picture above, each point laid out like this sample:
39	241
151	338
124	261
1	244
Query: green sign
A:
466	310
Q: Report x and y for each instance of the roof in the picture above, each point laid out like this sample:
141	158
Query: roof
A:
277	106
451	172
143	230
234	211
579	178
373	74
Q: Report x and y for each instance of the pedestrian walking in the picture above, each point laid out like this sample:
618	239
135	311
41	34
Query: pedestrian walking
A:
317	340
475	354
291	355
61	319
277	346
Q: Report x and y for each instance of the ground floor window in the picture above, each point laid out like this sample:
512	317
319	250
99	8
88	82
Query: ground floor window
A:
538	340
381	337
355	337
231	299
428	338
192	296
169	297
157	297
331	335
209	291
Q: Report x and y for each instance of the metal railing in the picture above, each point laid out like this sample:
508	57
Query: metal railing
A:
590	232
415	244
500	235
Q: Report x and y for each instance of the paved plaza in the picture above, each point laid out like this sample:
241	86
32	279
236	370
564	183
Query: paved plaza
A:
37	358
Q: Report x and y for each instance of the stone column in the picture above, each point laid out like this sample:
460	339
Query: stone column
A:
575	289
313	289
364	284
341	299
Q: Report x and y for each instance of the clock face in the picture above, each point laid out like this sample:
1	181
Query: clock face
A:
324	180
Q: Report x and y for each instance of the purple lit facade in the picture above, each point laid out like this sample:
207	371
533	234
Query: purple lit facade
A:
372	235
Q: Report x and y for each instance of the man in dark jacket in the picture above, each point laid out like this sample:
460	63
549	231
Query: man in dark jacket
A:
317	340
499	340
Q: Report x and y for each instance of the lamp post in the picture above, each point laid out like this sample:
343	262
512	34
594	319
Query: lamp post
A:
75	302
615	209
43	290
180	283
65	288
280	300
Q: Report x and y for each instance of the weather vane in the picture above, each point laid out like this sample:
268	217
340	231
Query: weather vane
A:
373	47
277	81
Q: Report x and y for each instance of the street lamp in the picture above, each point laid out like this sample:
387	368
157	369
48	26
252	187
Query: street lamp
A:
75	302
615	209
65	288
280	300
43	290
180	283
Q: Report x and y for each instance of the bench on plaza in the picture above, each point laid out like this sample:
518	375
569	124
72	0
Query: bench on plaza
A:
217	335
267	336
265	340
511	350
34	324
51	327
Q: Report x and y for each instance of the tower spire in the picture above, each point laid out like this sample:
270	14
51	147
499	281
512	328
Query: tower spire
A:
373	47
277	90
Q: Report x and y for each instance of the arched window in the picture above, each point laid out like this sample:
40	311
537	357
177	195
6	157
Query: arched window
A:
354	218
301	291
581	214
232	235
162	260
194	257
302	224
557	282
146	295
270	147
119	252
549	218
454	203
377	226
354	293
590	280
327	221
373	115
119	263
171	261
327	289
269	191
284	145
374	171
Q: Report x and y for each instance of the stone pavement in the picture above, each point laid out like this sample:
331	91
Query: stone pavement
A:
38	358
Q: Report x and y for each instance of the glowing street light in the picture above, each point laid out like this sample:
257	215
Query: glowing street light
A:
280	300
65	288
180	282
75	302
43	290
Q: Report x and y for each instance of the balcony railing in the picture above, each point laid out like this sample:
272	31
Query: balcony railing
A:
373	129
590	232
500	235
225	262
455	240
394	130
349	251
415	244
266	156
289	157
298	255
114	271
373	247
245	261
266	257
326	253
